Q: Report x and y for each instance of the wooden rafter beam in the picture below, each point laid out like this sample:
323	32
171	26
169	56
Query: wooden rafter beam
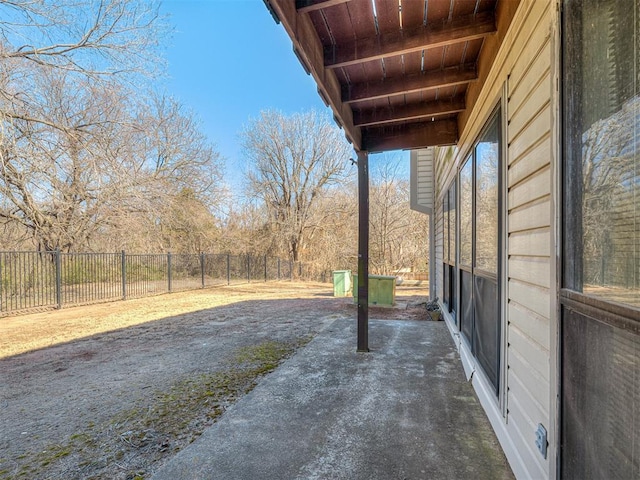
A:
306	6
403	113
461	29
309	49
446	77
410	136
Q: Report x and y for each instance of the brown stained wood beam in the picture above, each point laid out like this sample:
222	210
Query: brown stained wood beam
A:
306	6
410	136
447	77
418	111
461	29
306	43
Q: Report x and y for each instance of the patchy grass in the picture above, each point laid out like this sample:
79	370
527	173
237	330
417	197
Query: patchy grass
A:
136	440
266	355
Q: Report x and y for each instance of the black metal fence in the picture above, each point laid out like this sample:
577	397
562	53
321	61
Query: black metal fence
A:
33	280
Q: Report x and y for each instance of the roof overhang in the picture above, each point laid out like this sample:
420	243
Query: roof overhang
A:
397	74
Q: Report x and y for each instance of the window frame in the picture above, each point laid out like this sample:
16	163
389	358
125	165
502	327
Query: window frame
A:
580	314
572	271
449	257
470	275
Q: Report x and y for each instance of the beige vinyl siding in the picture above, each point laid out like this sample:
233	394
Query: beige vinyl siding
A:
536	187
524	70
528	268
422	181
529	181
444	159
529	323
529	244
535	159
425	178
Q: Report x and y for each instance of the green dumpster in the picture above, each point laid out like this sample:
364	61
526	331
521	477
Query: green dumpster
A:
341	283
382	290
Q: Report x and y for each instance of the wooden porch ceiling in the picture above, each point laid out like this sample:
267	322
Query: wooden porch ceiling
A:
398	74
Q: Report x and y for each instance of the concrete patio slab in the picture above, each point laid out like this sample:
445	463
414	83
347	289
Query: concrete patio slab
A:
402	411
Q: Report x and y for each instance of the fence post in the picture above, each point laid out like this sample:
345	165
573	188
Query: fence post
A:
123	266
265	269
278	268
248	268
291	270
228	269
58	279
169	270
202	267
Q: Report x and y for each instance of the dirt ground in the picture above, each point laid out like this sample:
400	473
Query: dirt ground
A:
113	390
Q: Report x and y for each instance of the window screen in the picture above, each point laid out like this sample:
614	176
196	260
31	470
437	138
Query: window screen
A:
603	140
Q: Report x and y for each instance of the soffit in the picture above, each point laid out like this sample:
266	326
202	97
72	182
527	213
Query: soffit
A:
396	73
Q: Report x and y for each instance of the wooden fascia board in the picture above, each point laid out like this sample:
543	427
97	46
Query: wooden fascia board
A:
446	77
309	50
380	116
306	6
410	136
461	29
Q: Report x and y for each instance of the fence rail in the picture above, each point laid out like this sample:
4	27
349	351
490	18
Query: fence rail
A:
35	280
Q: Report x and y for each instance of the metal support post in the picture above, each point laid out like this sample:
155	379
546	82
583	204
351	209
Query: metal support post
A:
363	252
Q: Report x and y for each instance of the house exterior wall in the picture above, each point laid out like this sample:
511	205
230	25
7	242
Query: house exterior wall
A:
438	251
422	181
523	82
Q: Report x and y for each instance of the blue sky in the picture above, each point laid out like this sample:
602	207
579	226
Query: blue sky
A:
228	60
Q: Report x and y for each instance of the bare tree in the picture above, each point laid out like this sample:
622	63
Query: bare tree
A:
62	67
108	41
398	235
247	230
178	174
293	160
333	237
97	161
88	37
168	145
83	154
50	170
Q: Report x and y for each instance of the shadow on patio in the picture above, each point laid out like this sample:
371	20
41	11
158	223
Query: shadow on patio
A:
402	411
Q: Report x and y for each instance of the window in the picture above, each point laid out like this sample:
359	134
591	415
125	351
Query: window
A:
600	343
603	150
479	212
449	257
466	201
487	155
446	245
486	325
